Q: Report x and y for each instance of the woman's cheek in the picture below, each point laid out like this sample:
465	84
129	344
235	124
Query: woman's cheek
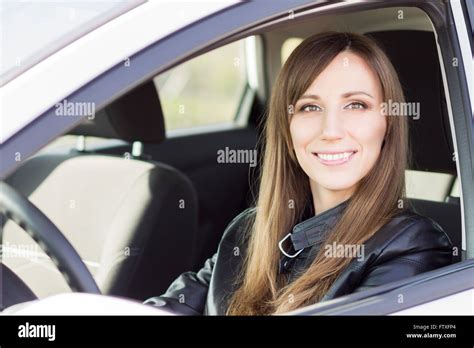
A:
299	133
302	134
370	136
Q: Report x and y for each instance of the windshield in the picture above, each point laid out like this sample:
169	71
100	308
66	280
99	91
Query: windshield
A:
32	30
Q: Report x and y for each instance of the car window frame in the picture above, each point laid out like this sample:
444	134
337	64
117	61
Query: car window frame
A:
385	299
165	54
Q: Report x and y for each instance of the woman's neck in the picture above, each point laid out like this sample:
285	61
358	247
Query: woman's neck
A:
325	199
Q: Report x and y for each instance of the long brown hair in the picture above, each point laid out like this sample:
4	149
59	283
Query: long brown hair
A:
284	187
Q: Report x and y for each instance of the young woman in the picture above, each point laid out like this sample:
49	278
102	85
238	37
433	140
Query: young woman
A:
331	216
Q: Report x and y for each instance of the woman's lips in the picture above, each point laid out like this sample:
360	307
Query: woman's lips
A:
334	159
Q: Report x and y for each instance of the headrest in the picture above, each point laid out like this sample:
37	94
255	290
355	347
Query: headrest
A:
415	57
136	116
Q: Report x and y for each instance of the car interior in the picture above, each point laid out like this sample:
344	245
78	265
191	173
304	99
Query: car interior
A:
138	191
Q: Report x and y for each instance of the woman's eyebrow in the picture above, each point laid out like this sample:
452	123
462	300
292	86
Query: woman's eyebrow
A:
345	95
350	94
310	96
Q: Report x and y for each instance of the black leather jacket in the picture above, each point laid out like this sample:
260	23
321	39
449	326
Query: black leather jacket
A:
408	245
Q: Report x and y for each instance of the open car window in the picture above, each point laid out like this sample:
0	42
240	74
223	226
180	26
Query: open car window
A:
145	181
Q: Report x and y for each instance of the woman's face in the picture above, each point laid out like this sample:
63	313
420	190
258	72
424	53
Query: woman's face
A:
337	128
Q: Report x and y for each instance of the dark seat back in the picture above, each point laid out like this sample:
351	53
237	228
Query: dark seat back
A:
447	215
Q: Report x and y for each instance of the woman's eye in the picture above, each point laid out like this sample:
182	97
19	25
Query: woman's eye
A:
356	106
310	108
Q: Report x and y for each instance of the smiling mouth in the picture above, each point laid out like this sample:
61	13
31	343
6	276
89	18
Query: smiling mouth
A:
332	159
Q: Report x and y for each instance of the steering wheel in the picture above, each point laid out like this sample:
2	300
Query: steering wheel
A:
25	214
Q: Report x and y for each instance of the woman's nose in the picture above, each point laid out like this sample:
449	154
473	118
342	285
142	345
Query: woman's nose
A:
332	127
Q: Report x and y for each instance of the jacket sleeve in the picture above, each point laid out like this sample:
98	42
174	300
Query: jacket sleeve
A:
187	294
422	248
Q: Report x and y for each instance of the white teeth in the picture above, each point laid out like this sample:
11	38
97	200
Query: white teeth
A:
334	157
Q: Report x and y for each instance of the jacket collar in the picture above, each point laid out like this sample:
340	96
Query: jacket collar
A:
314	228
